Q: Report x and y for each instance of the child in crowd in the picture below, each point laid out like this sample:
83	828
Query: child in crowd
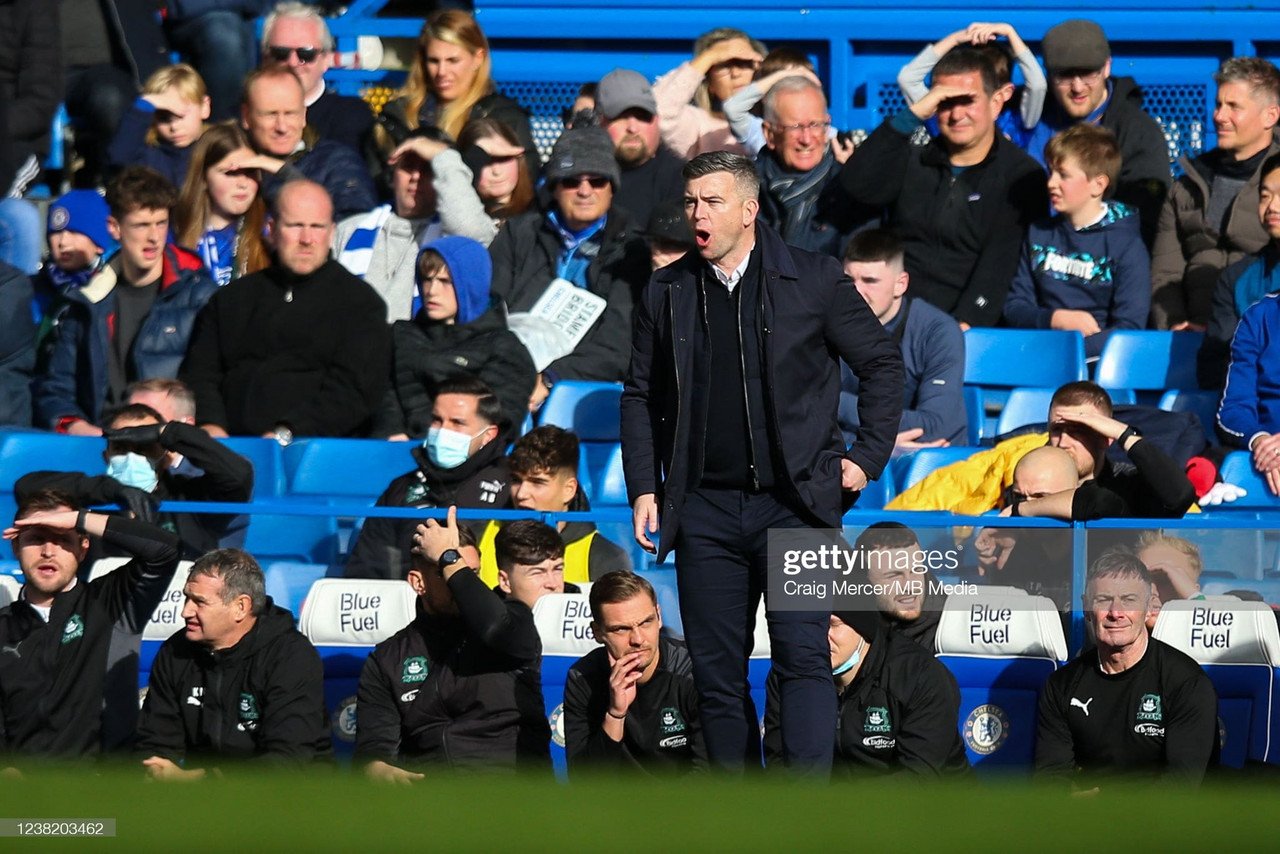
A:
1085	269
79	243
741	109
163	123
220	210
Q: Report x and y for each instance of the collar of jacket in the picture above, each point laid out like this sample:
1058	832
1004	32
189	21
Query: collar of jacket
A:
174	261
1199	172
270	624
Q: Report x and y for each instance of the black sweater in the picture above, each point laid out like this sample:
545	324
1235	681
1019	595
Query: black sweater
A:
261	699
309	352
69	687
464	692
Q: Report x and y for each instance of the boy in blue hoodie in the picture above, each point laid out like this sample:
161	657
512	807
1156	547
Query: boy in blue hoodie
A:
1085	269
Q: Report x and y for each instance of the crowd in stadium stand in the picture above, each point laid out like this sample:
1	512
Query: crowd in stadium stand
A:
242	252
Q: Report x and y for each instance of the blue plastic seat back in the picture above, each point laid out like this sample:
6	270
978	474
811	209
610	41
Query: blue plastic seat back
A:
1149	360
589	409
1238	469
564	624
306	539
22	452
268	463
912	468
288	582
1008	358
1024	406
344	469
1203	403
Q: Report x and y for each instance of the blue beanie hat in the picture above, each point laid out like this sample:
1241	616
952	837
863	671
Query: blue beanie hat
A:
85	212
472	270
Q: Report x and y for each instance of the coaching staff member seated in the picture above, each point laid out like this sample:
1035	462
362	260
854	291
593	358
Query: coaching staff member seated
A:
631	704
729	429
237	682
898	704
1133	705
461	686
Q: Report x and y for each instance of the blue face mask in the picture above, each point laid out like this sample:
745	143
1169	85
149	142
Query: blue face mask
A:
853	660
448	449
133	470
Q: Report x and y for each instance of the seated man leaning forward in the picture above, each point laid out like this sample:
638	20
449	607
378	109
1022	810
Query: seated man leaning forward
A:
631	704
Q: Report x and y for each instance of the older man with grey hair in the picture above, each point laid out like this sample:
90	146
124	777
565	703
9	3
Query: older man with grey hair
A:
800	169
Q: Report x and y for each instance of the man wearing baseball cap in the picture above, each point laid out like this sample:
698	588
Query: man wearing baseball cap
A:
578	241
650	172
1078	58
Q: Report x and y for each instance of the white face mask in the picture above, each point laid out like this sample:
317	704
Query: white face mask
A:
448	449
133	470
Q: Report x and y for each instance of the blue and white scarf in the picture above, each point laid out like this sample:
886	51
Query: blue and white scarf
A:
356	254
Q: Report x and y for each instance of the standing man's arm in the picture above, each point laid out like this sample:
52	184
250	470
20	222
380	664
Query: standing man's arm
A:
857	337
641	411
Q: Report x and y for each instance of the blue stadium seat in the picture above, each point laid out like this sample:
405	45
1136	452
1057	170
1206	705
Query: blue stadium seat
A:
307	539
1203	403
1242	662
878	492
165	620
912	468
22	452
998	360
268	463
1001	666
344	469
345	618
1238	469
663	578
289	582
610	483
1024	406
589	409
975	414
1149	361
594	459
564	623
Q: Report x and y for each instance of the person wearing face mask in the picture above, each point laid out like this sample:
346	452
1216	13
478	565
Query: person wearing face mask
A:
458	329
461	462
150	460
898	704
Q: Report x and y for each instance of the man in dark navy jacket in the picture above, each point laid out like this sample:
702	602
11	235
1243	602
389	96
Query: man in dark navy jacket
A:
742	345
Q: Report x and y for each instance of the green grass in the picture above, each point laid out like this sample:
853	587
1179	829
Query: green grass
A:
335	812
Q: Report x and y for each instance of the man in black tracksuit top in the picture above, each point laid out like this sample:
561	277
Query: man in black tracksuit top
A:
963	202
631	704
466	406
1132	706
898	704
188	465
461	686
238	682
69	648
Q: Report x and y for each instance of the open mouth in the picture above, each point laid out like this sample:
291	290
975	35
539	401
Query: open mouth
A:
702	237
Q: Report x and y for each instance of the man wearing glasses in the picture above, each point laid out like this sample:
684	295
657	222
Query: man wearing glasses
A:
1078	58
581	252
1132	705
800	169
296	37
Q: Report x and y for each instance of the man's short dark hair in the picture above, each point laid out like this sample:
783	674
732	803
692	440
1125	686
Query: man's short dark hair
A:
45	499
240	573
618	586
1118	563
139	188
546	448
487	405
740	168
872	246
132	412
966	59
526	542
1271	164
887	535
1082	393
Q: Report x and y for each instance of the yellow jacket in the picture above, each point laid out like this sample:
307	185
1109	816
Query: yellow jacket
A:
973	486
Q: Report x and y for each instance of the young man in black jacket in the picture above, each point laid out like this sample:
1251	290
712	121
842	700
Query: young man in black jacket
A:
68	648
631	704
898	704
460	686
462	462
150	460
238	682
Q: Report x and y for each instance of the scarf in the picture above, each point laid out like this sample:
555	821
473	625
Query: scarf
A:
217	249
358	251
796	194
579	249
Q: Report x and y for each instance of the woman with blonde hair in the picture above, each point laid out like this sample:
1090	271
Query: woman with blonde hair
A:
220	211
449	84
497	162
691	96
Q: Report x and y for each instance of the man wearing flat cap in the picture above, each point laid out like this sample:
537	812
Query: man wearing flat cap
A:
579	250
1078	58
650	172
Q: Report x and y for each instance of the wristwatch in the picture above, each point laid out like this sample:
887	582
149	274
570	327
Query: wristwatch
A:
283	435
1128	432
449	557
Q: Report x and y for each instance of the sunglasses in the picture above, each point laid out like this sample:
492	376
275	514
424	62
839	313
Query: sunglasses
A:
596	182
306	55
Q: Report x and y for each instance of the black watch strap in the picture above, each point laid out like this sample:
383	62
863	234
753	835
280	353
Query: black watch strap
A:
1129	432
449	557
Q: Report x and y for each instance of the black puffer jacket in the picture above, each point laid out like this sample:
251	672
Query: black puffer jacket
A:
425	353
30	80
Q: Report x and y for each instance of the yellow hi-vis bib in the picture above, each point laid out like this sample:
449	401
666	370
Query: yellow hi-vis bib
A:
576	557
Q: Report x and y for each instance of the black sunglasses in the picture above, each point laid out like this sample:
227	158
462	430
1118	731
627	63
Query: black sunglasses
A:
596	182
306	55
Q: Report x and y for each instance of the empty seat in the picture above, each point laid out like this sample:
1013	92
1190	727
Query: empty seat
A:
344	469
289	582
22	452
268	463
1024	406
564	624
1238	645
344	618
1238	469
1147	360
1008	358
1001	647
610	482
589	409
307	539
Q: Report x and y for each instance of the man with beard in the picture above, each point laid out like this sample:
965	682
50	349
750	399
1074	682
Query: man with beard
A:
650	172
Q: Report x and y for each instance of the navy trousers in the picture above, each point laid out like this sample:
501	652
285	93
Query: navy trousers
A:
721	566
